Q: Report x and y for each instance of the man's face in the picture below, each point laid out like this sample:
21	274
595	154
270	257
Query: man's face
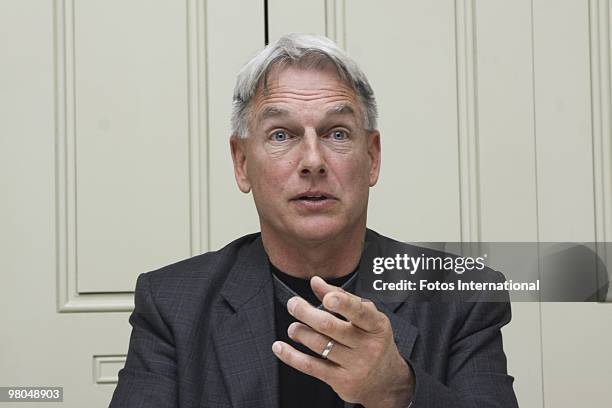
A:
308	159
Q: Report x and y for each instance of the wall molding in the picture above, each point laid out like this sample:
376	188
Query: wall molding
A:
601	108
68	297
335	21
467	117
198	125
106	368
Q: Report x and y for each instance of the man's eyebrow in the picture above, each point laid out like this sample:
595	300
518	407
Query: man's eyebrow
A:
273	111
343	109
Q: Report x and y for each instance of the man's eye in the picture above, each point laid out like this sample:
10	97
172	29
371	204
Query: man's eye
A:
280	136
339	135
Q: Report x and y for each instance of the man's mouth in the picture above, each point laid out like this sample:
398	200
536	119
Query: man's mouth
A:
313	198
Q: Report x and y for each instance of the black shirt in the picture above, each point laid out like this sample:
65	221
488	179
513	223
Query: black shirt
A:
299	390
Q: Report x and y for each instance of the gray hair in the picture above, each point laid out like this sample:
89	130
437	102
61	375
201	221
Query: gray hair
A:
306	51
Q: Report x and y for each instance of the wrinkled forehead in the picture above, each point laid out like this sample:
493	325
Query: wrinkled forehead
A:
318	90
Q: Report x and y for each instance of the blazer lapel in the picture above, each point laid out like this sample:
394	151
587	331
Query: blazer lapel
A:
400	314
400	311
245	331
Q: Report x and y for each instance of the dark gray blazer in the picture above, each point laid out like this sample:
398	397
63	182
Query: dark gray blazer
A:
203	330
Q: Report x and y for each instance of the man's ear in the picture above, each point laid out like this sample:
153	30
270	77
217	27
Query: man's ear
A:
239	157
374	153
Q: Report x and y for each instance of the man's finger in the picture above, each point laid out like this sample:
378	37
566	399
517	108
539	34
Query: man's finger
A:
322	288
317	342
360	312
315	367
322	321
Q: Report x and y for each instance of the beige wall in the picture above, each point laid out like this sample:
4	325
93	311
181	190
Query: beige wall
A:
114	159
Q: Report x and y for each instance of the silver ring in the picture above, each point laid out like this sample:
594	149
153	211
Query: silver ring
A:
327	349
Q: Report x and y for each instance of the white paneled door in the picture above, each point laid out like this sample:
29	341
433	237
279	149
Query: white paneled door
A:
108	110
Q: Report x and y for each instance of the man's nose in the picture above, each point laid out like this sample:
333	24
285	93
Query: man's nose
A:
313	160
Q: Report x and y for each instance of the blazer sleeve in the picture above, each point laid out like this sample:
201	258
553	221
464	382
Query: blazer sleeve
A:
148	378
476	374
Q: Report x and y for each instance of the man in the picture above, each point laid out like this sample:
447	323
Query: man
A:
278	318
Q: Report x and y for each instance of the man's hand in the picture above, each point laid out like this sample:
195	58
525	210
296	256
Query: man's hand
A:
364	365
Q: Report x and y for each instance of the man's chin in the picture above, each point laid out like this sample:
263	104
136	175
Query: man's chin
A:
318	232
